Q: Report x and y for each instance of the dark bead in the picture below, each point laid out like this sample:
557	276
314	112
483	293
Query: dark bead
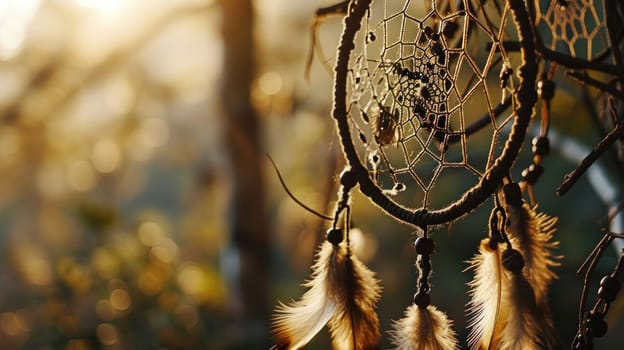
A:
598	326
609	287
348	179
422	299
513	260
541	145
424	245
545	89
532	173
334	236
512	194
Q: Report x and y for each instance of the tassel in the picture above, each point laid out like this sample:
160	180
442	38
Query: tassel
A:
343	292
424	329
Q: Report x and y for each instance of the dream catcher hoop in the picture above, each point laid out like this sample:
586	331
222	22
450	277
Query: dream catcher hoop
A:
401	113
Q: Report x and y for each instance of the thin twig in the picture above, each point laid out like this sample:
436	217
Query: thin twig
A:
304	206
586	79
321	13
576	63
571	178
592	260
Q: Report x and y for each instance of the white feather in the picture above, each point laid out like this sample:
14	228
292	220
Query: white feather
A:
486	289
296	324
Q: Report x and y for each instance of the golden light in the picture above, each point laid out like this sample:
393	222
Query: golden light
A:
150	233
151	133
270	83
81	176
15	323
151	280
75	275
106	156
191	279
15	15
51	181
105	263
106	6
166	251
365	246
78	344
9	145
9	323
104	310
120	299
107	334
33	264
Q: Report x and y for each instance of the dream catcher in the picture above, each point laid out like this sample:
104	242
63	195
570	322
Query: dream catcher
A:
432	101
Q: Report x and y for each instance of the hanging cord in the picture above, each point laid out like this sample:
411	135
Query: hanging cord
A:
424	247
335	235
591	323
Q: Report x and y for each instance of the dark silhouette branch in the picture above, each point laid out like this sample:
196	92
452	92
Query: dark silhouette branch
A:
571	178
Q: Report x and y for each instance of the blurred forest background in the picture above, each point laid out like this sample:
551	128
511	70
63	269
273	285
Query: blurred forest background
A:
138	209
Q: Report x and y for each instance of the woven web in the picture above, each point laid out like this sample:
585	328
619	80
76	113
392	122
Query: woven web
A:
574	27
422	77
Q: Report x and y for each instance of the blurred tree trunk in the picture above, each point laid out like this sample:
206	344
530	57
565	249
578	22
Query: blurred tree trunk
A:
248	223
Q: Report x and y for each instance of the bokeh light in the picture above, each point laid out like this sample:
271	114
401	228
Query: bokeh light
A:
15	16
106	156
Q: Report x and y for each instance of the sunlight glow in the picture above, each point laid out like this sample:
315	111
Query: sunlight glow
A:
106	156
15	15
106	6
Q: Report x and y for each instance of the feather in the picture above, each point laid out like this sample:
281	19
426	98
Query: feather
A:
524	327
485	312
296	324
355	325
503	310
343	292
424	329
532	234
